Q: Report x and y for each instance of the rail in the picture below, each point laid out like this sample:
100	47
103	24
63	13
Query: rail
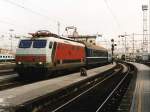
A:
106	96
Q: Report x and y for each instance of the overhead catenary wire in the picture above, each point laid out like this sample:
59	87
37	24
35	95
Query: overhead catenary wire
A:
47	17
112	13
28	9
113	16
31	11
35	12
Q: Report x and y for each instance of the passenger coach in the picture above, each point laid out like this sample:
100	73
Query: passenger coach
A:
95	55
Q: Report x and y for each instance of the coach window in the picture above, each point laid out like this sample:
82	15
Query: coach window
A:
50	44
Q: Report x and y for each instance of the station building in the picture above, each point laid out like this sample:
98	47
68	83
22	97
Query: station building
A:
85	38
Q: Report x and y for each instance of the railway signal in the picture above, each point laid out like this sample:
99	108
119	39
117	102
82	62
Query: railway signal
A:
112	48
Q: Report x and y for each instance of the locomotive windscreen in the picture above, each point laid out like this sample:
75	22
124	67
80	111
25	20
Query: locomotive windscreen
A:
25	43
36	43
39	43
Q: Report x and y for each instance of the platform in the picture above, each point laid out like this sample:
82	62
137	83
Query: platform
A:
141	98
22	94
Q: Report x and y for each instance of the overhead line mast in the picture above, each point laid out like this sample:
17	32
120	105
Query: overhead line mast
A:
145	29
149	27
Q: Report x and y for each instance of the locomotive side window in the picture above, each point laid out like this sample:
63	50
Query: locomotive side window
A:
25	43
39	43
50	44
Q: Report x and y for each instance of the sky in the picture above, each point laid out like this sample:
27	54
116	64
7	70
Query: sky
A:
107	17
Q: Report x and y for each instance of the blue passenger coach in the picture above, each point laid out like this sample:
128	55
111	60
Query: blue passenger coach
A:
96	55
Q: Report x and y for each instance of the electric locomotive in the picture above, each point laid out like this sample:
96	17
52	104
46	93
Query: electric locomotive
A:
46	52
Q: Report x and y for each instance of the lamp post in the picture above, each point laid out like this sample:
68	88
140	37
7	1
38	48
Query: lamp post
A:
58	24
11	30
124	36
133	49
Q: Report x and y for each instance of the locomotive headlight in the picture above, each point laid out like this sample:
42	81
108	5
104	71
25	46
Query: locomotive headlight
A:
40	63
19	62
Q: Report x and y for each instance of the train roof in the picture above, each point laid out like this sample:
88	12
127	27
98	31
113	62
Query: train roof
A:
66	41
94	46
58	39
45	34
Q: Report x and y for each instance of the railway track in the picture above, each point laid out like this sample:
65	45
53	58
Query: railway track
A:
103	96
9	81
7	72
101	93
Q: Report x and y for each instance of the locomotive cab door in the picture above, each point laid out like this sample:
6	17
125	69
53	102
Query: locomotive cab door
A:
49	52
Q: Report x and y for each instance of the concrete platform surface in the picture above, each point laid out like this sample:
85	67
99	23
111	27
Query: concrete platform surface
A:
19	95
141	98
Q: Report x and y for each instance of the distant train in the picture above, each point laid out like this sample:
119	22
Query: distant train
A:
47	52
6	57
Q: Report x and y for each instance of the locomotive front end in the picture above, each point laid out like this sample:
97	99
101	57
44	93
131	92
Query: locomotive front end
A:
31	57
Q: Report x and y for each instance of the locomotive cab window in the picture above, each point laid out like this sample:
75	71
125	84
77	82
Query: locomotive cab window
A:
25	43
39	43
50	44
